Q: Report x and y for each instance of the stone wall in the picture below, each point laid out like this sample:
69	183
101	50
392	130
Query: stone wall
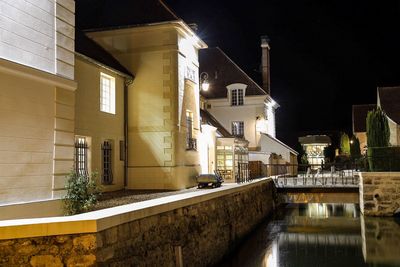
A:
380	193
195	235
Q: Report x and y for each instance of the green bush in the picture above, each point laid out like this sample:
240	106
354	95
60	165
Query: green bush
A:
384	158
82	193
378	132
344	144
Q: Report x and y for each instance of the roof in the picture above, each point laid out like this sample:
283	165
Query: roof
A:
207	118
360	113
95	14
315	139
89	48
389	99
280	143
222	71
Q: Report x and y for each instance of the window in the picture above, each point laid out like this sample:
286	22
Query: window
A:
237	97
107	93
238	128
191	143
106	149
81	156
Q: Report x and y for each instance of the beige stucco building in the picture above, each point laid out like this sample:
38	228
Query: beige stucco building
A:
123	103
37	98
163	102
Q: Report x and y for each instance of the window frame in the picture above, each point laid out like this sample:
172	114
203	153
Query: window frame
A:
237	97
107	95
81	156
237	128
107	162
191	143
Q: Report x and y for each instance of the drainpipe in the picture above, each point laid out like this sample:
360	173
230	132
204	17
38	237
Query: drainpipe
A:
128	81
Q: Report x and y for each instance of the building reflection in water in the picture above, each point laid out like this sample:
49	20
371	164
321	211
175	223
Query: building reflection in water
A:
321	235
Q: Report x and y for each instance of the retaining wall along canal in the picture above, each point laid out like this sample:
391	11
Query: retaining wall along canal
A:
379	193
194	229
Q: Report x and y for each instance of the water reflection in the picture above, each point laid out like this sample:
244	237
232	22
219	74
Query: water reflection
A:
321	235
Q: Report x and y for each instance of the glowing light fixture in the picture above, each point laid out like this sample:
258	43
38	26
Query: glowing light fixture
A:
205	85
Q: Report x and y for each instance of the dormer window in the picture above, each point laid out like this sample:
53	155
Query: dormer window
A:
237	97
236	93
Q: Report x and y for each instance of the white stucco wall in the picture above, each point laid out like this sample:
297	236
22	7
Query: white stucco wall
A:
225	113
39	34
270	145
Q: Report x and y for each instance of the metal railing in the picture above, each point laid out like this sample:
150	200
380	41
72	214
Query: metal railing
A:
243	173
316	175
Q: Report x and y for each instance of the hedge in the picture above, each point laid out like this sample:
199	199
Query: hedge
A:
382	159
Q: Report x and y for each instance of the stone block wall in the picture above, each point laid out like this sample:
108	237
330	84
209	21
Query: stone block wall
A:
196	235
380	193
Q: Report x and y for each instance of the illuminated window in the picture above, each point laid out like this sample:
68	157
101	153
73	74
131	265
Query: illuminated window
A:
237	97
107	93
238	128
191	143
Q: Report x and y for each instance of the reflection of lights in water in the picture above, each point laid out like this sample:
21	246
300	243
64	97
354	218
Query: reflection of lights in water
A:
323	210
271	257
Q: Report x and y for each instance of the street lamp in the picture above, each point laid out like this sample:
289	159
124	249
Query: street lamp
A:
204	81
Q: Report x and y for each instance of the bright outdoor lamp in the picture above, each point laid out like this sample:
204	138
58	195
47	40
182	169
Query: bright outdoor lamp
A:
204	81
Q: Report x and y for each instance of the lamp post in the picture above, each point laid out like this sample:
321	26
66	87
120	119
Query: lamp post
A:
204	81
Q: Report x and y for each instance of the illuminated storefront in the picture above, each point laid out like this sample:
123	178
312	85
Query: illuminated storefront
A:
233	158
314	146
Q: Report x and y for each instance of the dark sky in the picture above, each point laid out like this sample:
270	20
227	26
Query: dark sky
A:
325	54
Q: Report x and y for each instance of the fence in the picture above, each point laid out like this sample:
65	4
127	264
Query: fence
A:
313	174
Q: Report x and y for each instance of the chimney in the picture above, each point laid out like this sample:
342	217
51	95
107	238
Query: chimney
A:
265	67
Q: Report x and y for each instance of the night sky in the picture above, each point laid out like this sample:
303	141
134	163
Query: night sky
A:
325	55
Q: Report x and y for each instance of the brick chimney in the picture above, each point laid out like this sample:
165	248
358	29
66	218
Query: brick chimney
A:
265	67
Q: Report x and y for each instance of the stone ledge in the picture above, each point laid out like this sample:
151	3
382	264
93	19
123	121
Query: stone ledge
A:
96	221
37	75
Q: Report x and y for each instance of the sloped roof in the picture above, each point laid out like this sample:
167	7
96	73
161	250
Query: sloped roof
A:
207	118
106	14
222	71
89	48
389	98
360	113
314	139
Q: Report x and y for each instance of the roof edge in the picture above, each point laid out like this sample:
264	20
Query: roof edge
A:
102	65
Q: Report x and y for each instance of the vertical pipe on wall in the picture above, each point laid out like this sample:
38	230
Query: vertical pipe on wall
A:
128	81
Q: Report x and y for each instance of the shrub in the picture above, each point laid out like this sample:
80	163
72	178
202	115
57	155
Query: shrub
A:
378	132
384	158
344	144
82	193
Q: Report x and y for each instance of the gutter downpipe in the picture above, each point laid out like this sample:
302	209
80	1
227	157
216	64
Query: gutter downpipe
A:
128	81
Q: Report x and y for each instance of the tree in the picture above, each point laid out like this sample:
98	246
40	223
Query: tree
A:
355	150
378	132
329	153
344	144
302	156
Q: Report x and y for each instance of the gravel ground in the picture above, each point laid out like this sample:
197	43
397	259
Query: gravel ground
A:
122	197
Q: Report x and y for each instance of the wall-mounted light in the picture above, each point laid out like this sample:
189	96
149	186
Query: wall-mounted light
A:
204	81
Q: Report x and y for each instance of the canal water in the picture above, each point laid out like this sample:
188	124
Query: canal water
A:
320	235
